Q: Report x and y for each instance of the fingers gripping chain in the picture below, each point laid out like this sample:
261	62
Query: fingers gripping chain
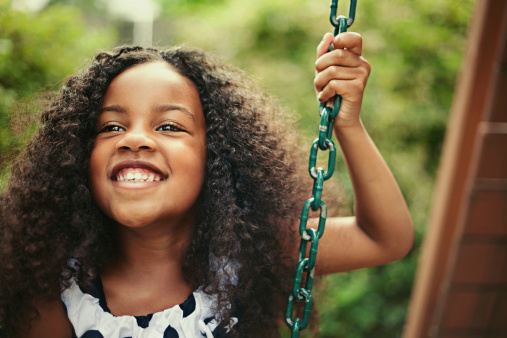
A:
306	265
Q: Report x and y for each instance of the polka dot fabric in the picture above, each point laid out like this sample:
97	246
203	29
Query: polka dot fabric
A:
91	318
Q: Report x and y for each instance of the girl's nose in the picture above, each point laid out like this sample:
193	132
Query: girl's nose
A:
137	140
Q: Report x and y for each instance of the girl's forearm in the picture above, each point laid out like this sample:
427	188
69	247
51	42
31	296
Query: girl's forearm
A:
380	208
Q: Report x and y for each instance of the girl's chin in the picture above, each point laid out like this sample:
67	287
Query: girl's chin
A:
149	222
136	221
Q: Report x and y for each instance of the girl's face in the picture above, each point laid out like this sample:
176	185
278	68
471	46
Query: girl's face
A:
147	165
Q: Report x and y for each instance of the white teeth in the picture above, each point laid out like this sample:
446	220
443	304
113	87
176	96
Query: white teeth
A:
135	177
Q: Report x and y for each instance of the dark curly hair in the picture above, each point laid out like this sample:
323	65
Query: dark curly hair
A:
49	220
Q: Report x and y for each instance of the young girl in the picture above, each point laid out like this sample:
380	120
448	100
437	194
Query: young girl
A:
160	195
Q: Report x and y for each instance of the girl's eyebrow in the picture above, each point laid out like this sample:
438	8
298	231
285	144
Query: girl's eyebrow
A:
113	108
168	107
158	109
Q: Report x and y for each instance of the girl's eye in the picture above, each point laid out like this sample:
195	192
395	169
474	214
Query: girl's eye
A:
112	128
169	127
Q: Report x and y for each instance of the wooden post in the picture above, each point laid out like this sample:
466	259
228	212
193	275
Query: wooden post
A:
457	177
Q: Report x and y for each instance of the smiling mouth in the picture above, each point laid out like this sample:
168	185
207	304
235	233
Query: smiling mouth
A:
136	175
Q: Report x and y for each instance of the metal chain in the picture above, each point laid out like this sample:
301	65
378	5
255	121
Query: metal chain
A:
306	265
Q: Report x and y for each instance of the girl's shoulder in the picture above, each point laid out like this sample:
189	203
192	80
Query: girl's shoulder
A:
51	322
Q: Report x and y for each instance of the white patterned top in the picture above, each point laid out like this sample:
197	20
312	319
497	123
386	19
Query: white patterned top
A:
91	317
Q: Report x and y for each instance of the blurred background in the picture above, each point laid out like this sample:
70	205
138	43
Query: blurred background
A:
415	48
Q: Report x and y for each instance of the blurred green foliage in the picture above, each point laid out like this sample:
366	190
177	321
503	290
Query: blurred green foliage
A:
37	51
415	48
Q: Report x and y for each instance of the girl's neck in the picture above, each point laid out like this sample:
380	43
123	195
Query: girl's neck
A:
149	248
148	268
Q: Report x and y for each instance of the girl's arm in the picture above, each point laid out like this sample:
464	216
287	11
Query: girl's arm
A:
381	231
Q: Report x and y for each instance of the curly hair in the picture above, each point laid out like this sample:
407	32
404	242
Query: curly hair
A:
52	232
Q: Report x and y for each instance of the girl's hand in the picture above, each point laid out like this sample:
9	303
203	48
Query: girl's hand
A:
343	71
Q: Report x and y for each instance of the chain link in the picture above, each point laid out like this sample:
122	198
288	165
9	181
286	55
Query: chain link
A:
306	265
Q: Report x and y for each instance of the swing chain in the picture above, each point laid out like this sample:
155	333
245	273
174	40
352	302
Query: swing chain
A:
310	235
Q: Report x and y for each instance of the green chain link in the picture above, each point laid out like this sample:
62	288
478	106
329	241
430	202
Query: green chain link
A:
309	235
